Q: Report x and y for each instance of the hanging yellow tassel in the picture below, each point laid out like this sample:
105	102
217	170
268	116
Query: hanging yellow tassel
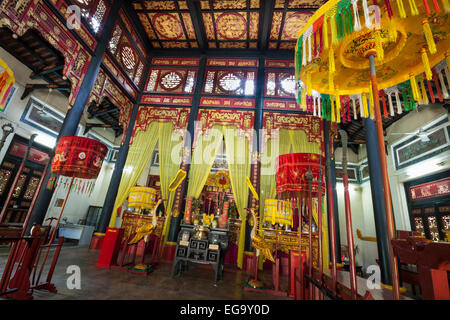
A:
308	84
413	7
426	64
401	9
325	32
331	82
303	100
379	45
424	93
414	88
371	102
333	114
331	65
392	30
334	39
364	105
446	6
429	36
338	109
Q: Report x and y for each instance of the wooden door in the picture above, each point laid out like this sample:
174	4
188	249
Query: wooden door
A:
28	179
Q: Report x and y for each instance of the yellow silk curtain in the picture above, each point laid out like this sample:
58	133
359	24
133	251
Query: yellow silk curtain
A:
138	157
238	154
170	160
325	258
203	157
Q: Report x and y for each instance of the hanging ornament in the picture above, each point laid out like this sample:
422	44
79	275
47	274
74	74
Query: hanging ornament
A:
401	9
338	108
413	7
429	36
426	64
325	31
414	88
364	105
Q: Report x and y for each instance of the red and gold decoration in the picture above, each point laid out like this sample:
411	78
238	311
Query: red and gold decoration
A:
167	29
216	62
178	116
292	169
227	102
191	62
104	87
78	157
240	82
6	82
21	16
171	80
243	120
233	25
312	126
430	190
167	100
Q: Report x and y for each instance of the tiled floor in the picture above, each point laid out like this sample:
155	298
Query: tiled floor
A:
100	284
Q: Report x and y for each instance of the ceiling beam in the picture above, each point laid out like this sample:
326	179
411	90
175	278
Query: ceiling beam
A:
117	129
29	88
265	22
197	21
46	70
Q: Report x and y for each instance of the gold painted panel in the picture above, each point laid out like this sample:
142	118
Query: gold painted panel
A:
167	25
208	24
276	25
293	24
231	25
160	5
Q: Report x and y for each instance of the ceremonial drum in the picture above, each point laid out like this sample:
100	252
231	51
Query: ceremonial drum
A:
142	197
292	169
278	211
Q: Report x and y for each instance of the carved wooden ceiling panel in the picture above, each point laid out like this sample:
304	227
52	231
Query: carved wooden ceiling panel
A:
224	24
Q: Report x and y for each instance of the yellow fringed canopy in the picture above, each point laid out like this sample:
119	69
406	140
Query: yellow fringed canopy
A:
400	44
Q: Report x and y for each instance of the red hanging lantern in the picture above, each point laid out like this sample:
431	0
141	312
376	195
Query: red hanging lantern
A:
292	169
78	157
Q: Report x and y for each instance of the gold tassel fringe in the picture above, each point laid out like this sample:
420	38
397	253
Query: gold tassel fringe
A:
426	64
364	105
415	89
338	109
379	45
424	92
325	32
334	39
446	6
333	114
331	65
401	9
413	7
429	36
